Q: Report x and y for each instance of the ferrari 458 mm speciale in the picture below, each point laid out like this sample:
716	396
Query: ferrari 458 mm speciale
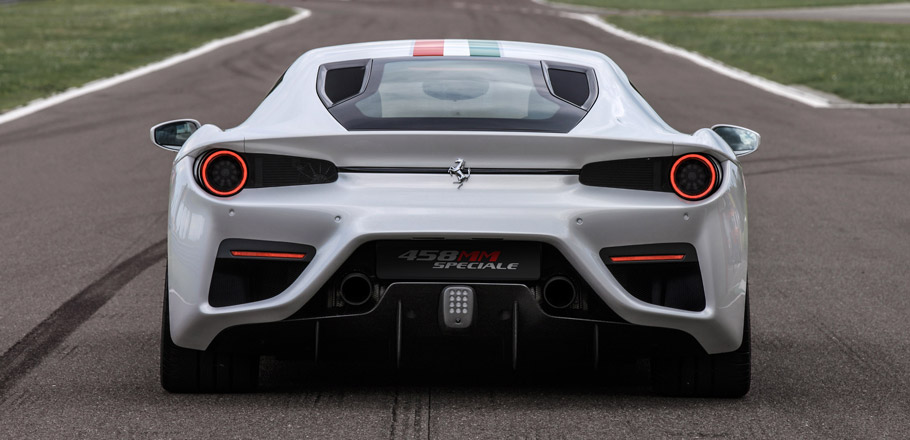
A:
446	203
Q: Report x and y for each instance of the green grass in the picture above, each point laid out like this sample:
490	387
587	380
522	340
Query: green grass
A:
49	46
712	5
862	62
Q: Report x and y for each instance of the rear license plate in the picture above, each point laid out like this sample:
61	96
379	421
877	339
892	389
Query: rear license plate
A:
458	260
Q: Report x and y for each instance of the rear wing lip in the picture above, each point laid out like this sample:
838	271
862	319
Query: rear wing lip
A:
428	151
497	171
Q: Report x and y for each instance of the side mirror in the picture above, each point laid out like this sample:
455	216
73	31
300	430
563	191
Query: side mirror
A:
172	134
742	140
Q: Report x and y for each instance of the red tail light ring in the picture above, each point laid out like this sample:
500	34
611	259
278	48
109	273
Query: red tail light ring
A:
699	180
223	173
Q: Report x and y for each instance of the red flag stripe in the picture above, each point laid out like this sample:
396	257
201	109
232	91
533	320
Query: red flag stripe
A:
429	48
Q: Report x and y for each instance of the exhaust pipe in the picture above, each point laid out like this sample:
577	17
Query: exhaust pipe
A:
355	289
559	292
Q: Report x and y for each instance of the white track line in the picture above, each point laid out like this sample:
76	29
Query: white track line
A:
708	63
767	85
94	86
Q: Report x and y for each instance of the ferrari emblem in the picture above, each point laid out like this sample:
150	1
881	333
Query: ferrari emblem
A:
460	172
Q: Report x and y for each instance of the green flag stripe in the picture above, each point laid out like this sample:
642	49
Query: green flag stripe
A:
484	48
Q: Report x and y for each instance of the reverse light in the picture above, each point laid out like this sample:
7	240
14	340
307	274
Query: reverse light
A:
223	173
693	177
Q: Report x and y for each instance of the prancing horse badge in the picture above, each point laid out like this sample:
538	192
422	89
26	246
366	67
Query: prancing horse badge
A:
460	172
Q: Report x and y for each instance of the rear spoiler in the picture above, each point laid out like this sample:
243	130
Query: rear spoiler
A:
436	149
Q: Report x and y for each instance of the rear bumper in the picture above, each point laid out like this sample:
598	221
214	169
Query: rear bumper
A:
577	220
404	330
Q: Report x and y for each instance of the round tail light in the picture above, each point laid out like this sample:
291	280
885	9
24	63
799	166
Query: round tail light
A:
693	177
223	173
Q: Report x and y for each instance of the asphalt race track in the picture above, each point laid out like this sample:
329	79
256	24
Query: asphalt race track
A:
83	221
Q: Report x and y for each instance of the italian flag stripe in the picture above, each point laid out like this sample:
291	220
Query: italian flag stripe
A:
484	48
456	48
429	48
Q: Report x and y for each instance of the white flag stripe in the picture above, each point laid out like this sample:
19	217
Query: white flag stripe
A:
456	48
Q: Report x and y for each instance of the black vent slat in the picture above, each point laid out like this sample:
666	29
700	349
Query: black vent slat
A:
341	84
674	284
241	279
569	85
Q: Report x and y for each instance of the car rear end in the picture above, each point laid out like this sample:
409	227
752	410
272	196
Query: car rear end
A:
557	246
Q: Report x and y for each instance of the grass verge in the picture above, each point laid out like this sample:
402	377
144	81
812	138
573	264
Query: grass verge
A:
51	45
713	5
862	62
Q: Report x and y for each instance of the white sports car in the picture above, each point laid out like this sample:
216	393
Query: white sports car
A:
452	203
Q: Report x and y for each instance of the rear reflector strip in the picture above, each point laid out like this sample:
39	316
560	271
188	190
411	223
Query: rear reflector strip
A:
456	48
288	255
647	258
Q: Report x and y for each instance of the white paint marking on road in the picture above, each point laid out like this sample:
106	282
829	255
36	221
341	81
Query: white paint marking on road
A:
94	86
886	13
767	85
576	8
710	64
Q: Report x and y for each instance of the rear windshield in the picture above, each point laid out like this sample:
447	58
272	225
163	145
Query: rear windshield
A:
448	93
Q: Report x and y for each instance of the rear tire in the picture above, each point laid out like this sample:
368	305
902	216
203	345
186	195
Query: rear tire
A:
185	370
726	375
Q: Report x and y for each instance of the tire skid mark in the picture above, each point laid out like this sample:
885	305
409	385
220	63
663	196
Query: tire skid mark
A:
410	414
394	416
869	362
832	164
696	434
235	66
67	350
50	333
15	401
429	423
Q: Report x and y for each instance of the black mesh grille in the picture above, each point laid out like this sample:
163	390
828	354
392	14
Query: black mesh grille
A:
650	174
269	170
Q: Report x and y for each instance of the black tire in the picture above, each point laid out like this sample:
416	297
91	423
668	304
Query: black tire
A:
727	375
184	370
